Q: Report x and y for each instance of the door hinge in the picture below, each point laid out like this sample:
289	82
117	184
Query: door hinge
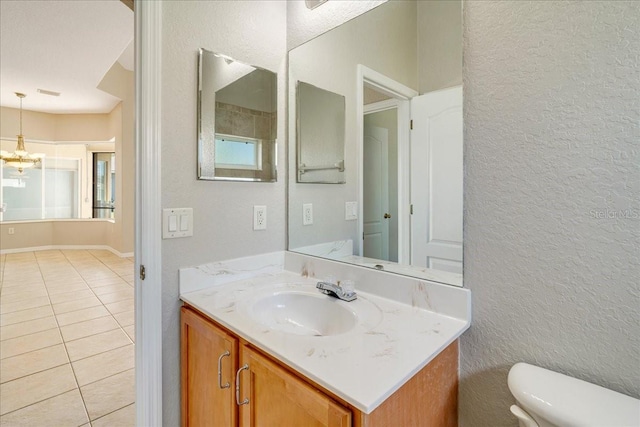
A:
411	124
143	272
363	235
411	209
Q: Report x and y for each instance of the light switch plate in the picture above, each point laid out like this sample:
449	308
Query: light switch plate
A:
177	222
350	211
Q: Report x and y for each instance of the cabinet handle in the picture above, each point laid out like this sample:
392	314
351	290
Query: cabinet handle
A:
227	385
245	401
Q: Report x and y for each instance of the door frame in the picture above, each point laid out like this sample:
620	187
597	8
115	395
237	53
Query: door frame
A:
148	221
401	94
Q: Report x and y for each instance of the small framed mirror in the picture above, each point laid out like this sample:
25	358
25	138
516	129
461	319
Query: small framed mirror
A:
237	120
320	135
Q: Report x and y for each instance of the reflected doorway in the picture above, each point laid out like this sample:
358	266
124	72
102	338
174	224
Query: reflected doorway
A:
380	183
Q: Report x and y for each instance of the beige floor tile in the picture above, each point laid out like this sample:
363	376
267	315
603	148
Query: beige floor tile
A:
24	305
32	362
19	282
116	296
98	274
95	344
70	287
26	343
109	289
125	417
28	327
25	315
129	278
110	394
70	296
92	335
101	253
62	282
131	331
121	306
98	283
127	271
103	365
89	327
126	319
24	391
79	304
81	315
65	409
7	291
40	291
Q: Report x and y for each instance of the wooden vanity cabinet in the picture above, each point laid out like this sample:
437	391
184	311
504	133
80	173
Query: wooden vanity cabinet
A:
206	399
275	397
280	397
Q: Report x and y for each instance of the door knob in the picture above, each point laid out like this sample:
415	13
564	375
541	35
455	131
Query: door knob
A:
387	216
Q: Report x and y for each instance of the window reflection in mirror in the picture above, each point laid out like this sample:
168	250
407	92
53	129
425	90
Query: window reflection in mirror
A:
237	120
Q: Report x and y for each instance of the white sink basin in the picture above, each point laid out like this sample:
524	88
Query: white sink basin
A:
308	312
301	313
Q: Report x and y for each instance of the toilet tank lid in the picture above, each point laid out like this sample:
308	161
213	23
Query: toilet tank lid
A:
568	401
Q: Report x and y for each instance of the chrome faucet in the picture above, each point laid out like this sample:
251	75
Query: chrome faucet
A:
337	291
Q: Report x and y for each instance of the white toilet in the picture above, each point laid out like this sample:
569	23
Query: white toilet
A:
548	399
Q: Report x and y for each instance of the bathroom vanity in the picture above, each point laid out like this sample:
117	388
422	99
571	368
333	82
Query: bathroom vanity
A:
260	344
273	394
375	361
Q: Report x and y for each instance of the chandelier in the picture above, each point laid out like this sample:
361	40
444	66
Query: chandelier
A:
20	158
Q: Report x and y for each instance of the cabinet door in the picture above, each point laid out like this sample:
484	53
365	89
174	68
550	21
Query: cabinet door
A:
204	347
279	398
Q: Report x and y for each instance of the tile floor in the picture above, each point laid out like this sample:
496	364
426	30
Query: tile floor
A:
66	339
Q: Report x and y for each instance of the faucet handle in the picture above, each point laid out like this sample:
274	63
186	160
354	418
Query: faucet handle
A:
331	279
348	286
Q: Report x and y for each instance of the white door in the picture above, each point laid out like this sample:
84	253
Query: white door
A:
376	193
436	180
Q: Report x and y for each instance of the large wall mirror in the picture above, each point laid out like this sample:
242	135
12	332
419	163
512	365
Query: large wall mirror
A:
237	123
399	68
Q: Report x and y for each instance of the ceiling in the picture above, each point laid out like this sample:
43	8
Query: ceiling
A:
62	46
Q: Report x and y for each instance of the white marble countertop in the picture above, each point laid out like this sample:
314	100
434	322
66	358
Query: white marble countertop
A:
342	250
363	366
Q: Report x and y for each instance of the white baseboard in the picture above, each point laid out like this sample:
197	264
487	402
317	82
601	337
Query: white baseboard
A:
66	247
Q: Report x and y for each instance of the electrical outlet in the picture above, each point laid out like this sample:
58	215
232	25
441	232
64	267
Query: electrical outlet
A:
307	214
11	230
350	211
259	217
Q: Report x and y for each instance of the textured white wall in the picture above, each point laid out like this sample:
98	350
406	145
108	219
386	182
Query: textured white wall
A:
304	24
439	45
552	110
253	32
